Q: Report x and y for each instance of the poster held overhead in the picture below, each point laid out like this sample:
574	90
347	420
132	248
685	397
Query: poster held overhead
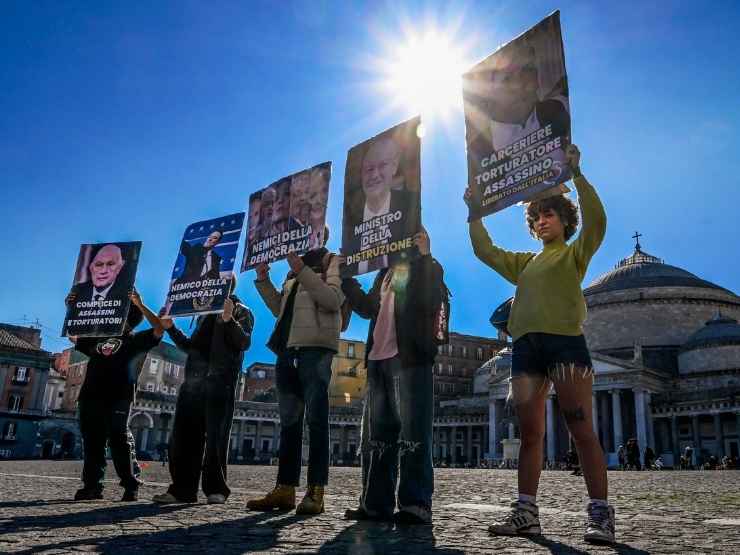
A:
517	120
382	199
287	216
205	262
104	275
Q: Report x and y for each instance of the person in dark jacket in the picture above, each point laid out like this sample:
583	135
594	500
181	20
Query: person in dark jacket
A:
205	404
106	397
401	306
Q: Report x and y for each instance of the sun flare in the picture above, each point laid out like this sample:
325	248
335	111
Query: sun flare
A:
423	74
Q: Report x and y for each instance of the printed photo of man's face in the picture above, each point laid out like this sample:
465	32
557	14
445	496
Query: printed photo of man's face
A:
106	266
212	240
299	203
512	94
379	167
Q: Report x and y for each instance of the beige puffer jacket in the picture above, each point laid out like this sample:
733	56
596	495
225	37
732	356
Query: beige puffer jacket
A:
317	317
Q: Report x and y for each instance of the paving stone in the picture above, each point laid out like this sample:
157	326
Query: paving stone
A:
659	512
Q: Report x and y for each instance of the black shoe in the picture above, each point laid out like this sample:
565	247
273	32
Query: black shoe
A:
362	514
413	515
88	494
130	495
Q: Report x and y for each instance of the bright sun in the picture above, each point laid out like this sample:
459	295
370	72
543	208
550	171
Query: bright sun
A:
423	74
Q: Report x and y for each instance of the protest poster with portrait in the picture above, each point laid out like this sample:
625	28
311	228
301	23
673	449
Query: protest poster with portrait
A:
104	276
382	199
517	119
205	262
287	216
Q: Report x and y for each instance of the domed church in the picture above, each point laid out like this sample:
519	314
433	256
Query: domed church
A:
666	351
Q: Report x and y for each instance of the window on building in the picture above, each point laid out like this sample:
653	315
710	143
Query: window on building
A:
21	374
479	353
150	386
15	402
450	349
154	366
9	430
351	350
464	352
449	369
177	370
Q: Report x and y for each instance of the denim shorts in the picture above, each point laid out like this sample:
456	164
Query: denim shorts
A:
546	354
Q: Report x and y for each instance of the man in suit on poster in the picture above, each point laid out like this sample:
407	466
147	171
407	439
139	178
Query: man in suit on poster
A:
382	193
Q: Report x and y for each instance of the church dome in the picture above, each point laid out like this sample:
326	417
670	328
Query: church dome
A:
720	330
645	270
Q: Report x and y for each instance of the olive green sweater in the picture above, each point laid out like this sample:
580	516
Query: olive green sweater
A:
548	296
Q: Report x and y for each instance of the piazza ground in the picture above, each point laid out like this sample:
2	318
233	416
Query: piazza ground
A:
657	512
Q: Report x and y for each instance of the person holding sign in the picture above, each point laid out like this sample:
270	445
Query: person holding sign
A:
401	347
205	403
546	325
305	339
106	397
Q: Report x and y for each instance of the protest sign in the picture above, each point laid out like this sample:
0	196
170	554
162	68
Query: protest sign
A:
382	204
517	118
287	216
202	276
104	276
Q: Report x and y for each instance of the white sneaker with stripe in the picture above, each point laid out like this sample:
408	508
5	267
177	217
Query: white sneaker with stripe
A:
522	520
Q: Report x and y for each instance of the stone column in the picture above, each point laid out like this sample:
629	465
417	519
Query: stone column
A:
595	413
605	422
469	446
550	413
676	448
258	437
649	420
640	422
275	437
144	438
617	418
719	436
492	428
696	432
452	444
512	435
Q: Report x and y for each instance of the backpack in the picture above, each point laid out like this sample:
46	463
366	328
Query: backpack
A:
441	319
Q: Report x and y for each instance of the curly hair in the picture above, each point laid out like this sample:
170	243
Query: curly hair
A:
565	208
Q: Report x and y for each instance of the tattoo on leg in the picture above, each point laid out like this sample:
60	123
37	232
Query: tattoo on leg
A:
576	415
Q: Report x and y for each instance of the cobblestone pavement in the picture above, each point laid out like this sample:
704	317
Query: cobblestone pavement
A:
657	512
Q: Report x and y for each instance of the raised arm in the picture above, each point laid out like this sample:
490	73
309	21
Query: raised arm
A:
366	305
267	290
507	263
593	215
152	318
237	322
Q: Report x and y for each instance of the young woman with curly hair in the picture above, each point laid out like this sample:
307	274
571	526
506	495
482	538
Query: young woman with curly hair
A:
549	347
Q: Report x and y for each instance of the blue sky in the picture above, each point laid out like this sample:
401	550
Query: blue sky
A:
128	121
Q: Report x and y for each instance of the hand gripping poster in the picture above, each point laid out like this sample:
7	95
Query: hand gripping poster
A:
201	279
382	199
517	119
98	303
287	216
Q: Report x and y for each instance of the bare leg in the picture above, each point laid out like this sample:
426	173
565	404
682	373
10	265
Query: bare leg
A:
574	396
529	401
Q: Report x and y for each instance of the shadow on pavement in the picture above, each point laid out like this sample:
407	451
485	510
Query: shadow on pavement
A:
232	536
365	538
559	547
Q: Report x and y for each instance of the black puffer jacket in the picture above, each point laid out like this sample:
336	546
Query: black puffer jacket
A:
415	308
216	348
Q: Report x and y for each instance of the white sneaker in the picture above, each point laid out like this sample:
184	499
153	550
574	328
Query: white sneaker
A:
600	524
216	499
165	499
523	519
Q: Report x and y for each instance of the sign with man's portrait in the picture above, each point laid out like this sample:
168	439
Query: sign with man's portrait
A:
287	216
201	280
382	199
517	118
104	276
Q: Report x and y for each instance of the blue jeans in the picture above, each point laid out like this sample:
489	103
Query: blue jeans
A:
302	379
397	422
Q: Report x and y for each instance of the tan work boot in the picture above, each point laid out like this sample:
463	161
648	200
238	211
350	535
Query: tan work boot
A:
313	501
281	497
